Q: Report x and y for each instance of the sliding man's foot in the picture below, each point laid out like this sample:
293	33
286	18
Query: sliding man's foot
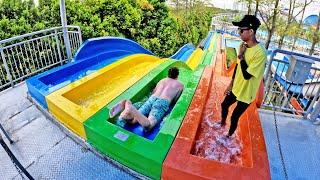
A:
117	108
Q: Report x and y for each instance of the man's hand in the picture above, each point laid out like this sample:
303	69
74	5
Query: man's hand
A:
228	90
242	49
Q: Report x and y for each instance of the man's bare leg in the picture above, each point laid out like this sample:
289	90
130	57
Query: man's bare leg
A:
142	120
127	114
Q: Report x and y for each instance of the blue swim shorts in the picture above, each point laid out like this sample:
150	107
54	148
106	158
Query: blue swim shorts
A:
155	107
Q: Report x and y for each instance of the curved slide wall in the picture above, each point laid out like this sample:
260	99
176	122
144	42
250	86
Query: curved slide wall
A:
184	52
75	103
93	54
195	59
98	46
136	151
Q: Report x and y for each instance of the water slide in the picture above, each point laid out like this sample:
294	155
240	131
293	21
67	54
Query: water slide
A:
143	151
82	103
208	40
184	52
201	55
210	52
200	150
131	145
93	54
195	59
75	103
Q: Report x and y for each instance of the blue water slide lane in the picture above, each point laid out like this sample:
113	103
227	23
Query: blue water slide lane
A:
183	53
208	40
99	45
186	55
92	55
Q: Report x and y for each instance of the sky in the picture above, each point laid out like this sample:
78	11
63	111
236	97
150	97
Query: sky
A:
310	10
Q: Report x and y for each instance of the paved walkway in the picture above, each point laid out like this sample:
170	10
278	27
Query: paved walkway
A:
43	148
300	144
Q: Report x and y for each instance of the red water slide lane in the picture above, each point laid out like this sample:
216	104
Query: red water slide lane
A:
182	163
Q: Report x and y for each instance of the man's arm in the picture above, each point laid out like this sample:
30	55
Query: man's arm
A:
234	72
175	99
243	63
244	67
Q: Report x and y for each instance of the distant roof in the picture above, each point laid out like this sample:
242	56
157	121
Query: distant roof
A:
311	20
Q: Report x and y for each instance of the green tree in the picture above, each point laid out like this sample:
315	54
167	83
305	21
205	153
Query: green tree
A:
316	36
268	12
150	22
294	5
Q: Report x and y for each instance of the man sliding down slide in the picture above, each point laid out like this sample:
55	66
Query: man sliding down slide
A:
155	108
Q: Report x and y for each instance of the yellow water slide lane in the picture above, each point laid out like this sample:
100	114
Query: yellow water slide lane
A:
195	59
212	42
75	103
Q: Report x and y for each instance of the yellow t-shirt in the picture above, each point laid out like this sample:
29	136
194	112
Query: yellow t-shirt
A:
246	90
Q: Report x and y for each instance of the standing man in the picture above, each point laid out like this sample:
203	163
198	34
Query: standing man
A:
248	73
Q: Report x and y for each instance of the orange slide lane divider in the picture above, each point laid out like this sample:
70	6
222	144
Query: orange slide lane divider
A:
183	161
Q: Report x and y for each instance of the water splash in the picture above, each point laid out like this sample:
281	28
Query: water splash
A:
214	145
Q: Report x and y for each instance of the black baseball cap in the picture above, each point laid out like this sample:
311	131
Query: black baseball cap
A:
249	21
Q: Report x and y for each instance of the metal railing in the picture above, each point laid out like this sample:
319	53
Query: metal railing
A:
288	96
28	54
223	22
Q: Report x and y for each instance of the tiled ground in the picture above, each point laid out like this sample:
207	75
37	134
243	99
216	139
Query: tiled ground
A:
300	144
43	148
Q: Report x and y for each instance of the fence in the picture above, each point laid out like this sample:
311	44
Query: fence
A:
223	22
288	95
25	55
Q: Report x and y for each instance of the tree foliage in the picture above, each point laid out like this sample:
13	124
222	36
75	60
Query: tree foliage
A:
149	22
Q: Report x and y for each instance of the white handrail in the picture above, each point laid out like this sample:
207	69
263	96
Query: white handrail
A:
25	55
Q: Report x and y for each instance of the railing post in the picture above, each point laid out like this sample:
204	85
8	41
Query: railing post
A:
312	103
80	35
316	111
6	66
58	46
65	28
